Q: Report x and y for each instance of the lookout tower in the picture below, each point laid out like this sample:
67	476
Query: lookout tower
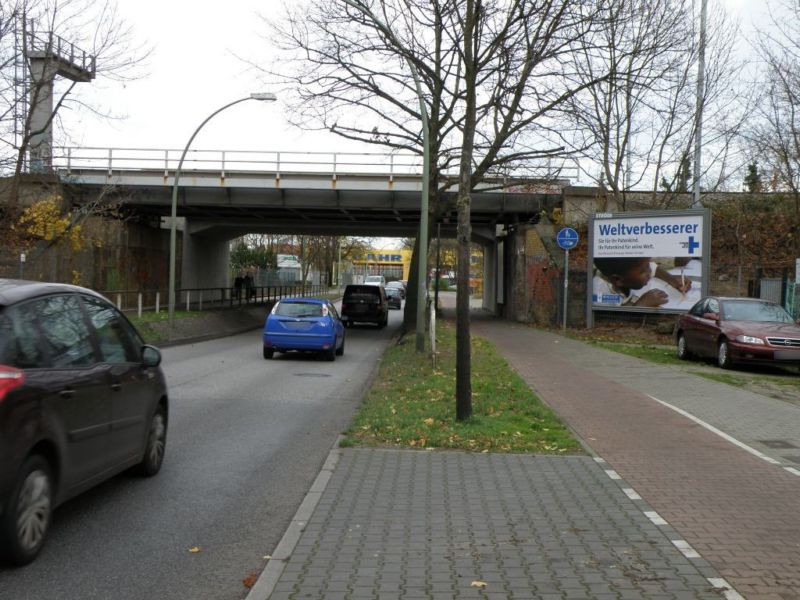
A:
47	55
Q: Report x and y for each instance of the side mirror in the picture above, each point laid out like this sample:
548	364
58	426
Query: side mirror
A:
711	316
151	356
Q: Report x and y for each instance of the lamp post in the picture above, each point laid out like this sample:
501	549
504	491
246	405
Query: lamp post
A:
264	97
423	208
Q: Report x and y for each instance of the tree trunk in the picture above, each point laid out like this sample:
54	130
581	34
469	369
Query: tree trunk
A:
464	233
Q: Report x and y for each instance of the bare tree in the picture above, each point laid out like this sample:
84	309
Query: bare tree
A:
495	76
775	132
641	120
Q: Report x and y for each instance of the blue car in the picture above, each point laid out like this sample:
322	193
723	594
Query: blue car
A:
304	325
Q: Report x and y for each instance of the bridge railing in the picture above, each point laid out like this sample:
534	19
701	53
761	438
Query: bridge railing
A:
220	162
198	299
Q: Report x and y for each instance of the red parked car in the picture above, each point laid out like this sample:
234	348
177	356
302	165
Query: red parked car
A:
738	330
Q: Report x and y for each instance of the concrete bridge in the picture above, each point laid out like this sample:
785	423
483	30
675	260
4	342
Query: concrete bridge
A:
224	194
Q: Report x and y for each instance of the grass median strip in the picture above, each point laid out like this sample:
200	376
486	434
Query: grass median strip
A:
410	405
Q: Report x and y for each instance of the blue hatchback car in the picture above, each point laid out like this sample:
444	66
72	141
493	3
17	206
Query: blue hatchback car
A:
304	325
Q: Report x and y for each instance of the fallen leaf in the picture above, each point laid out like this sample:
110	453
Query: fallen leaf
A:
478	584
250	580
194	550
267	557
429	421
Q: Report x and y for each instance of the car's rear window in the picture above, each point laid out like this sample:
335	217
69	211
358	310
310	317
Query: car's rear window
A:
298	309
361	292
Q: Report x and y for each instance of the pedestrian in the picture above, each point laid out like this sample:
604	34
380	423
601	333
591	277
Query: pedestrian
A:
248	286
237	286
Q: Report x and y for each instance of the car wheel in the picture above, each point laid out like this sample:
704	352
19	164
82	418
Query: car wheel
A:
340	351
724	355
26	518
683	350
268	353
330	355
156	444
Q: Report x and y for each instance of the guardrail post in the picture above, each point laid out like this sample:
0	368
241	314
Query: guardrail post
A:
139	304
119	301
278	166
166	164
110	160
223	164
188	300
200	307
158	301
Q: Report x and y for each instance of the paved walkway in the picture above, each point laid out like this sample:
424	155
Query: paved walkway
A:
692	491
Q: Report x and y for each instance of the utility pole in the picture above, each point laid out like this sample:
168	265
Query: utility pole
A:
701	68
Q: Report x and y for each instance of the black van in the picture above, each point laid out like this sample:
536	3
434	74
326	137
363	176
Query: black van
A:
365	304
82	397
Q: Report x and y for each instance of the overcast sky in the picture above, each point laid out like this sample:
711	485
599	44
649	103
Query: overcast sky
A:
194	70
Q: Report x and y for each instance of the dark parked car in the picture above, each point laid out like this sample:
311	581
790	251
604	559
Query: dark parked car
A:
738	330
365	304
398	285
304	325
82	398
393	297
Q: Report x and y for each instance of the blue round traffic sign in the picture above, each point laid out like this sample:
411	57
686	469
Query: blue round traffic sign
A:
567	238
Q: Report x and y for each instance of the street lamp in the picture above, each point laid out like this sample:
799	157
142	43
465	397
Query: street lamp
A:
263	97
422	271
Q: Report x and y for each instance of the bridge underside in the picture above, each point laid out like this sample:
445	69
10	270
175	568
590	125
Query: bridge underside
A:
307	205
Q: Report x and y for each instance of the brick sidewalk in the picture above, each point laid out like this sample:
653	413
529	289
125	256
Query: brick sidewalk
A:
395	524
738	511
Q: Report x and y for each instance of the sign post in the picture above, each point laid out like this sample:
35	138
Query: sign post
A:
21	265
567	239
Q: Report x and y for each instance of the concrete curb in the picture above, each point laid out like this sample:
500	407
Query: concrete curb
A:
283	551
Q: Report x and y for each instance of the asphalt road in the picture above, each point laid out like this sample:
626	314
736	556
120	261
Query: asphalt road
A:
246	439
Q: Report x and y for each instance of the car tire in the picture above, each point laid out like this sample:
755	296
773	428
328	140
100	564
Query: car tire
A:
330	355
26	518
268	353
340	351
682	348
156	444
347	324
724	355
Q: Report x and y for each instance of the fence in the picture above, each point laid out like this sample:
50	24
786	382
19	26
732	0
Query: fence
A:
198	299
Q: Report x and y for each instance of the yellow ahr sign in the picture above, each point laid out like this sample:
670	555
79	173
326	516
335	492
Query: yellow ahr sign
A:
388	259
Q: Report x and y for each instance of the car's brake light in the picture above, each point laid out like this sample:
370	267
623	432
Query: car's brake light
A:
10	379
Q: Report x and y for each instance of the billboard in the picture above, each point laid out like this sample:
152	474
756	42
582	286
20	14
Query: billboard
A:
648	261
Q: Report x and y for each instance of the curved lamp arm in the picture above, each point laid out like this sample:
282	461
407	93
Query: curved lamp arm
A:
172	233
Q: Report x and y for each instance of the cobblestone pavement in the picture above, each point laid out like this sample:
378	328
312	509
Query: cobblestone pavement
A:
395	524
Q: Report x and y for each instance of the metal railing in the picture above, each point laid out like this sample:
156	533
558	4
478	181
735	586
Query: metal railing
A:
198	299
220	162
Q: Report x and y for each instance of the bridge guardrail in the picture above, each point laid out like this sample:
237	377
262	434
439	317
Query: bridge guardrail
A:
69	158
198	299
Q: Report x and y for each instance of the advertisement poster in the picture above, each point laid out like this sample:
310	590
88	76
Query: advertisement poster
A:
648	260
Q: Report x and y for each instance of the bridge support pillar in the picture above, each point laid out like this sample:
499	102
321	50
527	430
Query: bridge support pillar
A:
490	276
206	258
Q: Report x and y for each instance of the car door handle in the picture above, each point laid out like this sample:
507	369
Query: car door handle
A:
116	386
68	393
